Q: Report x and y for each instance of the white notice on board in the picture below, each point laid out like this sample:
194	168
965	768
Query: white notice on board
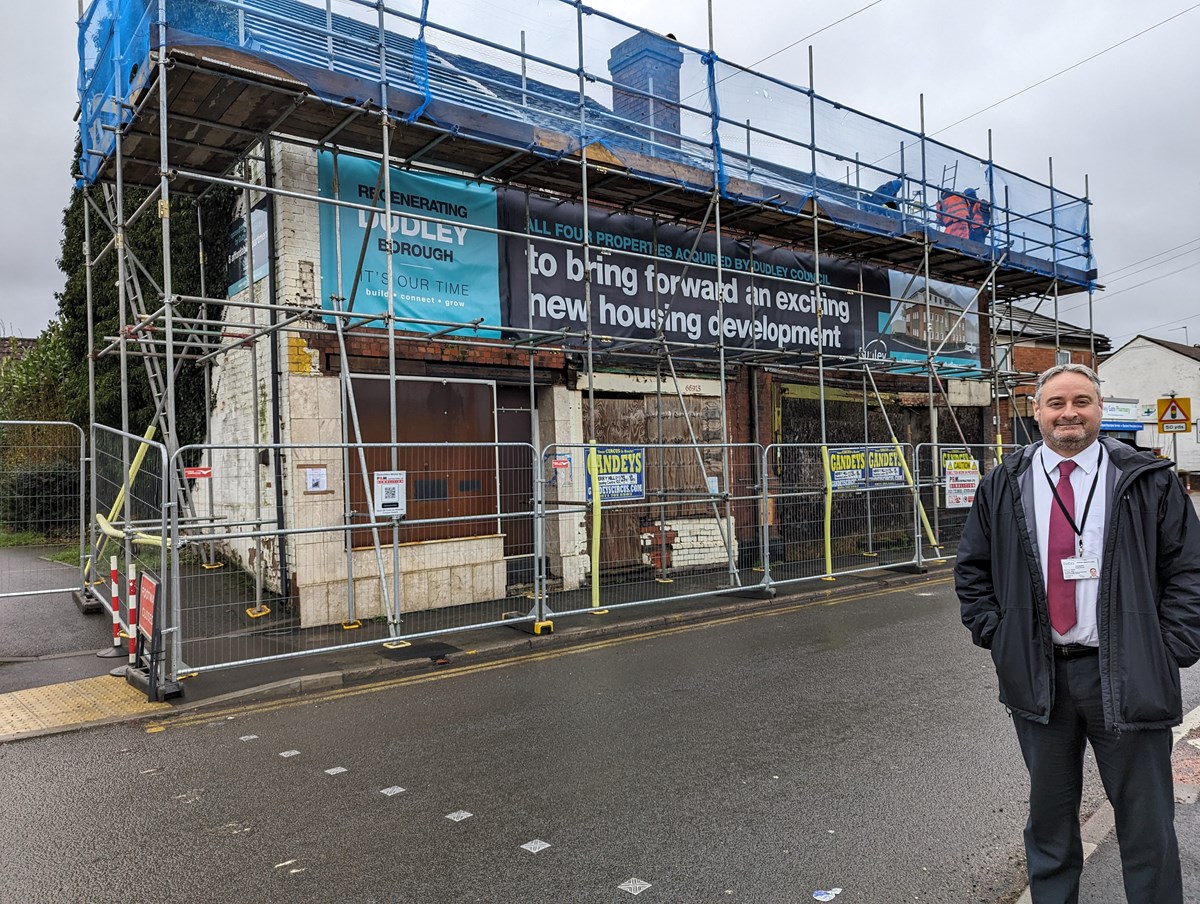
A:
391	496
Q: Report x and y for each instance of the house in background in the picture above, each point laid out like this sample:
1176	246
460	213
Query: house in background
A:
15	346
1146	369
1026	344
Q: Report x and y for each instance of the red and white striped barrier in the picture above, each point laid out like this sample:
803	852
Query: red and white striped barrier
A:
116	603
133	608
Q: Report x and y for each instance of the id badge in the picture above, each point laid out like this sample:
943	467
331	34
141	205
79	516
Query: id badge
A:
1081	568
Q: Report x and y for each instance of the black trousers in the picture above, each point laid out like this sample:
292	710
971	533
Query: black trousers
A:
1135	767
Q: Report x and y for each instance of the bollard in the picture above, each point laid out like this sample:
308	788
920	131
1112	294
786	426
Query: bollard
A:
115	580
116	603
133	616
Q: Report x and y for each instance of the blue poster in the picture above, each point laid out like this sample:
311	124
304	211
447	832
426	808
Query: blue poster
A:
237	279
620	472
847	468
441	271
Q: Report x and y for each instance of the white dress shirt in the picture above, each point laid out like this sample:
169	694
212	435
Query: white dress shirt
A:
1086	591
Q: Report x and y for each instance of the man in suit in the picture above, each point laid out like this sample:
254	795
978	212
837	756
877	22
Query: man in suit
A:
1083	659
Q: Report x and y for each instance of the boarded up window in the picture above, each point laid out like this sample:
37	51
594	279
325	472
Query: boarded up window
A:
444	482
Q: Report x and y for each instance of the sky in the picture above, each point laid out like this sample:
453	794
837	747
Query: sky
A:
1109	90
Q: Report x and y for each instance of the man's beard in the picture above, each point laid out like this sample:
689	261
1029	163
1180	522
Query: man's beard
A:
1070	443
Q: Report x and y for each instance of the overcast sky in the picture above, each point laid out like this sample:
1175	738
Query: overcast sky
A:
1129	119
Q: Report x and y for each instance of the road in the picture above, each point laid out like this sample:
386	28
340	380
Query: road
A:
759	758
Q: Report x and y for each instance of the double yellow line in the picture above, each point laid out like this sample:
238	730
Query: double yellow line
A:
207	716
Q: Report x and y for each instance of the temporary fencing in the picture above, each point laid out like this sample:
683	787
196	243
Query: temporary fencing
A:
948	476
630	524
129	534
374	543
42	475
837	509
379	544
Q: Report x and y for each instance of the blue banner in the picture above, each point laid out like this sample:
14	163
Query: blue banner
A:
441	271
237	279
621	472
865	467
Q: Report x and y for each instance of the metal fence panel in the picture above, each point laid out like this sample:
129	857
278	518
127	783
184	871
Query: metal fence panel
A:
357	555
130	519
948	474
837	509
42	468
655	522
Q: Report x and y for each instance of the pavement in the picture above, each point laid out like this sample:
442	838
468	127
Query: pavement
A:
71	690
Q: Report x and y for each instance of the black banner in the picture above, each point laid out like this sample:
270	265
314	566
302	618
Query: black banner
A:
766	304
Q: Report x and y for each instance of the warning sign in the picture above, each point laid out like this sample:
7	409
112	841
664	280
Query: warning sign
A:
1174	415
147	597
962	480
197	473
952	458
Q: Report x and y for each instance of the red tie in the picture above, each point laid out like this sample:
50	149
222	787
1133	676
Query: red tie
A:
1059	591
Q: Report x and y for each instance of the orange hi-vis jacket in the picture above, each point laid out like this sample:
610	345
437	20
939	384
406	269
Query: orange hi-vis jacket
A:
954	213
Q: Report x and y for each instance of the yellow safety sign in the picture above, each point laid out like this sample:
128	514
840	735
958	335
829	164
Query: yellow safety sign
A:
1175	415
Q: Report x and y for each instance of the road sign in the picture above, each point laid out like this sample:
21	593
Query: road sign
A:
1174	415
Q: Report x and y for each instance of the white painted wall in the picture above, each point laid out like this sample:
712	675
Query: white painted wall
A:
1146	371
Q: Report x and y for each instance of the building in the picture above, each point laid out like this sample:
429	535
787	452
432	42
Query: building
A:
1149	371
1028	342
469	264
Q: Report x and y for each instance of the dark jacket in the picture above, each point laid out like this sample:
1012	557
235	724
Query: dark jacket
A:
1149	601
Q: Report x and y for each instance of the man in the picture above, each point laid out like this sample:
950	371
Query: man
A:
1082	659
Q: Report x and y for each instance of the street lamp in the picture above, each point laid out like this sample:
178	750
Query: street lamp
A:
1176	329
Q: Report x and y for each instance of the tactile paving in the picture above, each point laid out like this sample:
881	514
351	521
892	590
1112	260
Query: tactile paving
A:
57	706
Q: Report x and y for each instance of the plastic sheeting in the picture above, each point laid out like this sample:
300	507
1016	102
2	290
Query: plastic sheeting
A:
574	77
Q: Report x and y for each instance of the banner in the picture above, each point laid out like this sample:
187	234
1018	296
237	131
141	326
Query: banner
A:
910	321
645	278
236	263
865	467
677	290
620	472
441	271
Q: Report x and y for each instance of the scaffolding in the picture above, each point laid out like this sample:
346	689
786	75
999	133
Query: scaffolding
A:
574	195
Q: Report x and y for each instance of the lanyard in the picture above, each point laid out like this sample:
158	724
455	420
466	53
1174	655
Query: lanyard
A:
1087	506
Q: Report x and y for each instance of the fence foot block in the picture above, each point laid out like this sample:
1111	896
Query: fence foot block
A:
540	626
755	592
351	625
165	690
112	653
87	602
258	611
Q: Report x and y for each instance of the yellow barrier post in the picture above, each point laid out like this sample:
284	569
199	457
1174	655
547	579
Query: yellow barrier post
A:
134	467
593	467
916	495
828	521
